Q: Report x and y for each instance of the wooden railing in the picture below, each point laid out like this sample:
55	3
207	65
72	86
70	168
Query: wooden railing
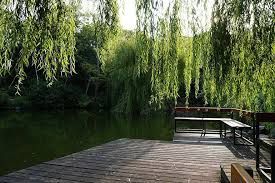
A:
243	114
215	109
257	118
265	117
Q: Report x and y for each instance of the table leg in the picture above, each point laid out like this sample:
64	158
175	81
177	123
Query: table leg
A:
204	128
257	145
220	129
254	130
234	136
273	164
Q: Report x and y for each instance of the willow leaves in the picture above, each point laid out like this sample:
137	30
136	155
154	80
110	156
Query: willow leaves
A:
158	33
239	70
39	34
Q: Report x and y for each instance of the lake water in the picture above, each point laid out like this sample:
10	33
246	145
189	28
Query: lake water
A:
29	138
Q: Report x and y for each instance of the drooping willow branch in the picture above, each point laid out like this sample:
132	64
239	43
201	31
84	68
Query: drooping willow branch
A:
231	64
240	56
157	38
37	33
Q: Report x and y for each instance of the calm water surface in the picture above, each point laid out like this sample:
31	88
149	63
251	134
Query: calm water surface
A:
29	138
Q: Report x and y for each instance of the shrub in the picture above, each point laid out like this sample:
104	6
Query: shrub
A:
4	98
58	95
20	101
84	101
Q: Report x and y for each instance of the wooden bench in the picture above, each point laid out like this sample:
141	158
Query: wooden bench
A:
224	122
234	124
267	173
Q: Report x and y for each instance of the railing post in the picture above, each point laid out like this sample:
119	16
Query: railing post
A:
175	121
225	130
273	164
254	128
257	143
175	125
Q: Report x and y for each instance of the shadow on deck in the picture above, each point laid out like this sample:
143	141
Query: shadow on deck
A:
245	155
240	151
134	160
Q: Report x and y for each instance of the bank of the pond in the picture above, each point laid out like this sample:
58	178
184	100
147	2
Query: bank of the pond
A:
31	137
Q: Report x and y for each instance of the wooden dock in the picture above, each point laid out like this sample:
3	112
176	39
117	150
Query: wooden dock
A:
188	159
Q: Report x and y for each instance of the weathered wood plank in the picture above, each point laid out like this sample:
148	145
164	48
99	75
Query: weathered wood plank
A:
134	160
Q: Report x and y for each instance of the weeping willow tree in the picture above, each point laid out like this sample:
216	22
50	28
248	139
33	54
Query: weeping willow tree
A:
142	65
37	34
106	27
157	40
230	65
238	64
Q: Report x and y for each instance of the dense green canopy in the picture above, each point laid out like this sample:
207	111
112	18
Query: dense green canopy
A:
231	64
38	34
239	67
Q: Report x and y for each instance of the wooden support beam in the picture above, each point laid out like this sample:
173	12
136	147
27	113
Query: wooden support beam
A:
265	117
239	174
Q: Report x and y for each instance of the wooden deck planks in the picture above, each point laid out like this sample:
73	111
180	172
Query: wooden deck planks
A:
134	160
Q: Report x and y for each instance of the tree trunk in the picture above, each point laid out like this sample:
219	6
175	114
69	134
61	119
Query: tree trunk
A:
96	88
98	72
37	78
12	82
88	85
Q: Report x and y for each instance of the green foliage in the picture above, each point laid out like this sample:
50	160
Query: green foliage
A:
105	25
4	97
239	68
127	92
106	22
38	34
20	101
57	96
87	56
230	65
270	129
185	66
142	68
84	101
157	49
85	39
